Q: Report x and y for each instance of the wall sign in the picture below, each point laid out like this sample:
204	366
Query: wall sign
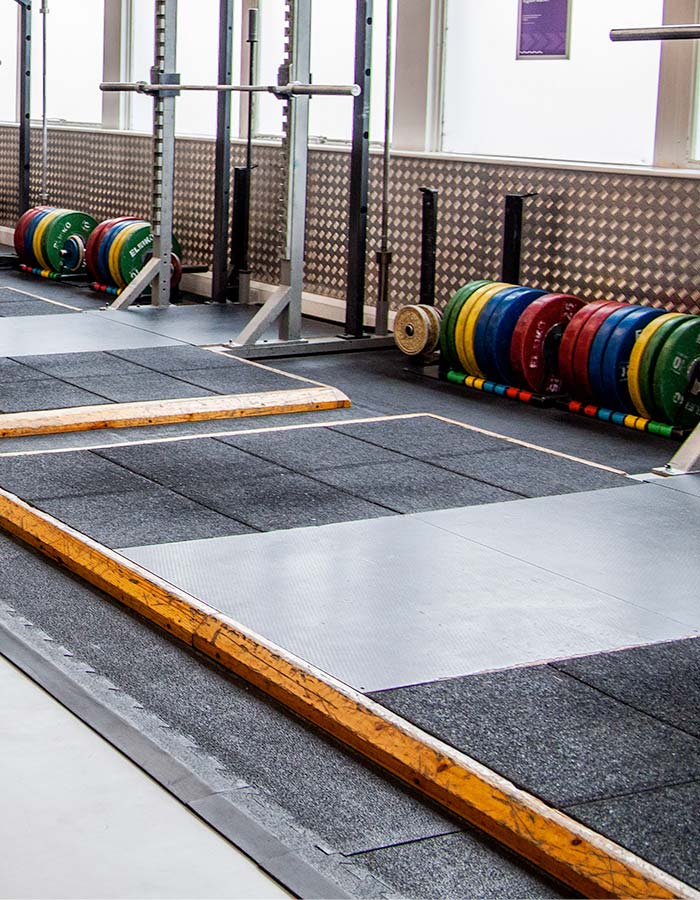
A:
543	29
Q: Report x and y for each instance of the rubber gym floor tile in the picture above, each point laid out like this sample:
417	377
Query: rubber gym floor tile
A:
171	360
14	370
412	486
684	484
661	826
240	378
533	473
45	393
310	449
560	739
81	365
146	385
662	680
31	308
345	802
151	516
465	865
65	475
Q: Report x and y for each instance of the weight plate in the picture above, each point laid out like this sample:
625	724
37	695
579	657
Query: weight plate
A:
638	351
454	305
647	366
38	239
68	224
415	331
21	227
679	359
599	346
471	323
465	323
105	246
115	250
568	342
499	330
93	243
534	352
481	348
29	236
177	277
616	358
581	385
137	250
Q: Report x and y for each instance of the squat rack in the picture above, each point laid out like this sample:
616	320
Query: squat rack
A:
284	306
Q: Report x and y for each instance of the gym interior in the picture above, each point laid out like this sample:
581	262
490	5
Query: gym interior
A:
349	448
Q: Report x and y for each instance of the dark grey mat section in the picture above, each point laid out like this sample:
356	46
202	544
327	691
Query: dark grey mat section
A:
13	308
45	393
240	378
146	385
557	738
84	365
31	335
149	516
458	866
662	680
11	370
661	826
394	601
172	360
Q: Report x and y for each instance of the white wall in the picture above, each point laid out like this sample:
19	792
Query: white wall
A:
8	61
597	106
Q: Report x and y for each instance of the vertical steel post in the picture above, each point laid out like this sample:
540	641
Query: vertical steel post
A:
359	173
25	67
512	237
222	195
44	194
428	246
163	72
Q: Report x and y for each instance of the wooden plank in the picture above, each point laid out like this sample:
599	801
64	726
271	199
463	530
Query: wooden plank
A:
165	412
582	859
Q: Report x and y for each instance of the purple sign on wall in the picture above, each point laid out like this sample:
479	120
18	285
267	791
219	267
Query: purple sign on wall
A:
543	29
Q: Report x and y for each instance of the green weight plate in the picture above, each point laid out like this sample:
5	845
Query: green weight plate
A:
59	232
677	359
449	321
648	362
137	249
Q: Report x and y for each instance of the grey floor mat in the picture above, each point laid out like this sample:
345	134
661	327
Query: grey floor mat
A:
146	385
45	393
12	308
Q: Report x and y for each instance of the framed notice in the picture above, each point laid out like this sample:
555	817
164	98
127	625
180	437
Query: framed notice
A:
543	29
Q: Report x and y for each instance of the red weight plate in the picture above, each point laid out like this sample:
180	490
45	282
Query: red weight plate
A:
21	227
93	244
176	269
535	347
569	339
581	383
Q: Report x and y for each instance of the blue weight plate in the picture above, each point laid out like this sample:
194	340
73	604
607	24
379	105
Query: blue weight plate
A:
482	348
103	252
599	346
500	328
616	358
29	236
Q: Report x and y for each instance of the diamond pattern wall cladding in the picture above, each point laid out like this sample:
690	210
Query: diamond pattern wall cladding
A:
595	234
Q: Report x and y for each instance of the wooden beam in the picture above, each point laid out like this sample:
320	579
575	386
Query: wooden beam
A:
165	412
577	856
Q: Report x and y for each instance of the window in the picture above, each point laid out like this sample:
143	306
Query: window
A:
598	106
197	63
75	41
9	21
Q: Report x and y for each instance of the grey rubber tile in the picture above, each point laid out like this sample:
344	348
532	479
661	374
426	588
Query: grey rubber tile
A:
462	865
65	475
150	516
661	826
662	680
171	360
412	486
81	365
11	309
560	739
14	370
684	484
45	393
311	449
146	385
240	378
346	803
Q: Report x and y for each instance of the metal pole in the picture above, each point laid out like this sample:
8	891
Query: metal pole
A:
359	174
428	246
25	65
222	199
663	33
512	237
44	195
384	255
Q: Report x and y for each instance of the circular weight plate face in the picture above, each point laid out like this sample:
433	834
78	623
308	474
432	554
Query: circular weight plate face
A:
30	237
38	243
616	359
598	348
115	250
21	227
536	339
94	242
454	305
470	327
105	246
647	366
137	249
638	351
581	385
413	330
568	342
500	328
679	360
28	254
59	232
463	325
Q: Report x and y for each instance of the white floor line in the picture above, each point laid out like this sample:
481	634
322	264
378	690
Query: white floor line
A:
45	299
220	350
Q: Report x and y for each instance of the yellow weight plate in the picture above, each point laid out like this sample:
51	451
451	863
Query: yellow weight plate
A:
115	250
640	346
477	301
470	327
39	233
